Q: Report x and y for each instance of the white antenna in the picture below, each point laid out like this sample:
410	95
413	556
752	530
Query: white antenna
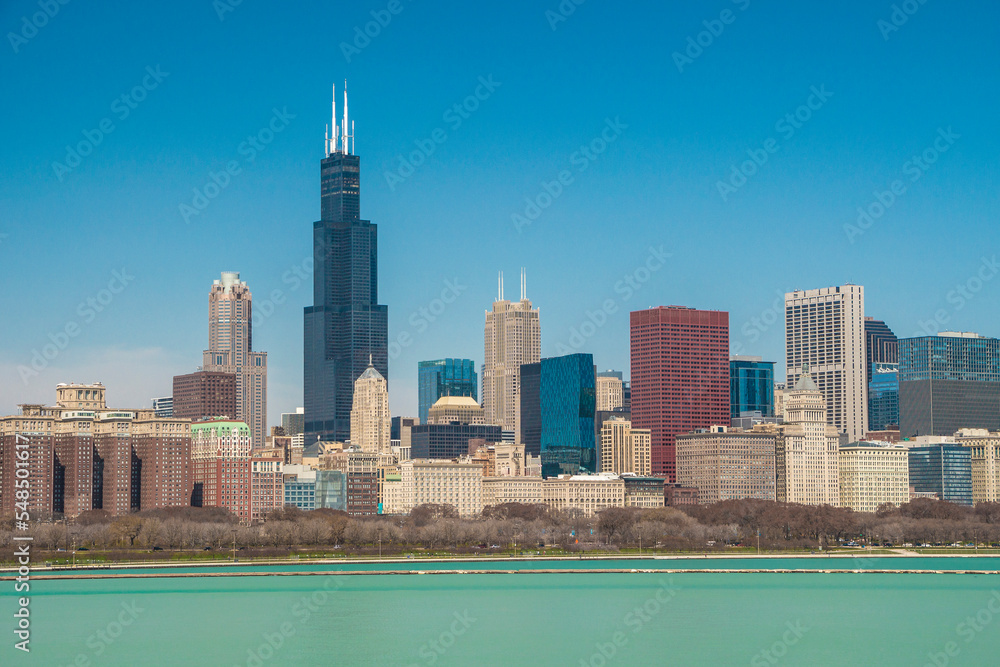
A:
343	129
326	140
352	137
524	284
332	146
500	286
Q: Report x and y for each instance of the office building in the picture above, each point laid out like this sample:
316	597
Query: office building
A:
299	487
728	464
624	449
873	474
82	455
610	391
824	332
948	382
806	456
205	395
230	350
370	419
444	377
346	326
643	492
362	471
751	386
881	345
943	469
680	376
461	409
163	407
267	488
883	397
448	441
557	413
984	451
221	453
293	423
513	337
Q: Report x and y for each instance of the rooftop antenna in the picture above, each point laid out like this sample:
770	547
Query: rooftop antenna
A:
331	146
524	284
343	129
352	137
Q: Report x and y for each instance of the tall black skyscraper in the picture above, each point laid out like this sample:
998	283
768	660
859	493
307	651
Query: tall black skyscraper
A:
346	324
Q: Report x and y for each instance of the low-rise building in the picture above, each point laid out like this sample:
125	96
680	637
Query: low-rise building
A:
643	491
872	474
984	451
728	463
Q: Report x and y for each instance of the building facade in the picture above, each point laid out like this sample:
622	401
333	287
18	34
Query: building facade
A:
461	409
881	345
625	450
205	395
346	326
680	376
221	454
267	489
448	441
445	377
806	457
751	386
230	350
610	391
984	451
883	397
824	332
512	338
948	382
944	469
370	418
873	474
728	464
557	414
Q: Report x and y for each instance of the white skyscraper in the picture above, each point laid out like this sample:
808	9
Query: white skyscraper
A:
370	419
807	457
825	332
513	337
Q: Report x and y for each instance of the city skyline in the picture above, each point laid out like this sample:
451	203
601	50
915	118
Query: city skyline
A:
805	193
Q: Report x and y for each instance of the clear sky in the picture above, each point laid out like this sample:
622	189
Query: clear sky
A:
643	203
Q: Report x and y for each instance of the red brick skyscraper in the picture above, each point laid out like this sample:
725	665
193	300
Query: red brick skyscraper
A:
680	376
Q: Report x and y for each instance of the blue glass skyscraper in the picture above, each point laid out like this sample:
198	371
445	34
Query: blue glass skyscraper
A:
558	403
346	326
944	469
883	397
751	386
444	377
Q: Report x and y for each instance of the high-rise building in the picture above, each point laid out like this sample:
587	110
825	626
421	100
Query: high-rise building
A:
461	409
984	449
346	326
806	457
751	386
881	345
944	469
164	407
230	350
294	423
680	376
728	464
221	453
824	332
445	377
948	382
610	391
513	337
370	419
883	397
557	413
624	449
205	395
873	474
448	441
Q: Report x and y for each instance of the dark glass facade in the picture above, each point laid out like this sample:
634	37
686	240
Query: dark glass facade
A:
883	397
944	469
558	406
346	324
444	377
751	387
448	441
881	345
947	383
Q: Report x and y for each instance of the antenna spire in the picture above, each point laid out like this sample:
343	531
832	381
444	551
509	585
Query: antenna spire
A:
524	284
344	127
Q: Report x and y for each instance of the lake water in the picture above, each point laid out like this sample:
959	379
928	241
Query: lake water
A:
523	618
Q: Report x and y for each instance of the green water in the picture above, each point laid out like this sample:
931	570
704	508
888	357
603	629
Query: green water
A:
515	619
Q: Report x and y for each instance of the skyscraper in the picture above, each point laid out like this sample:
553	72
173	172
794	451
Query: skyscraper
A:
944	469
513	337
883	397
346	325
230	350
824	332
624	449
370	419
444	377
610	391
680	376
557	413
881	345
751	386
948	382
807	452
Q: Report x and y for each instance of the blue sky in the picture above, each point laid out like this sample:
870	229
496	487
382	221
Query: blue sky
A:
647	208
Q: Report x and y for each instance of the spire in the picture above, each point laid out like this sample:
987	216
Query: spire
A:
344	127
524	285
370	364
